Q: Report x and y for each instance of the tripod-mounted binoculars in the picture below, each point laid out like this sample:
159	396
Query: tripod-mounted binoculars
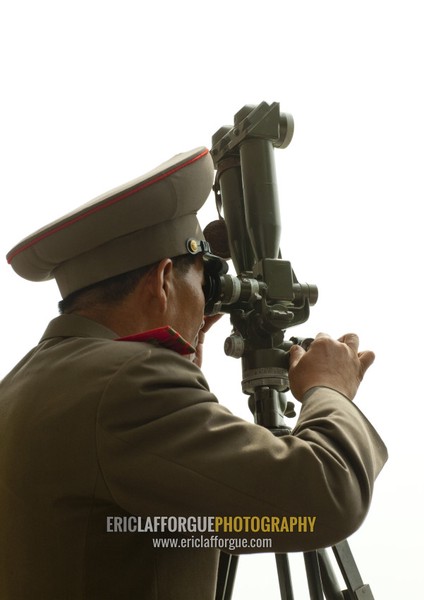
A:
263	300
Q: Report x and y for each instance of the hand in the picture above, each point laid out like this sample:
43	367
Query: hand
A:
335	364
207	324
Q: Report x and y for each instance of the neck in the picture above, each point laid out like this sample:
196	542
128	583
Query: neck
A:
125	318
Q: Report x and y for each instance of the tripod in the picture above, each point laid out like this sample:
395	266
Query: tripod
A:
322	581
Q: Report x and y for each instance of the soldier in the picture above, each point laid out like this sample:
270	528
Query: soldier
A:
111	416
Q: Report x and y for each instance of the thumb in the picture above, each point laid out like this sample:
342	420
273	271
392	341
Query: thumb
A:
366	358
296	353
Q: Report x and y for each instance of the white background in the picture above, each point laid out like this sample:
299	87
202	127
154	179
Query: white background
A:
95	93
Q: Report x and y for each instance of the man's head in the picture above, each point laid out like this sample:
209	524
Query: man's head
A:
110	256
168	292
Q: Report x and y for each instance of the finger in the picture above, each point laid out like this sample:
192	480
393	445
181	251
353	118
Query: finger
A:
296	353
366	358
322	335
210	320
351	340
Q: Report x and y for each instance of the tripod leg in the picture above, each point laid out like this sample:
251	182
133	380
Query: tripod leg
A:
329	580
313	575
226	576
356	588
284	577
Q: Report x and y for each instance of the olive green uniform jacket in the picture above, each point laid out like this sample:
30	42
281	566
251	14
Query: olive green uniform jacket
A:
92	428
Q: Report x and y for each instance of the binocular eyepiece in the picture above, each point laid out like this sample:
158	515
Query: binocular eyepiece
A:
272	283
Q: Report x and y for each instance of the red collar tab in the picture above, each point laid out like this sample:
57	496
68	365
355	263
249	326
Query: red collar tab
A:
163	336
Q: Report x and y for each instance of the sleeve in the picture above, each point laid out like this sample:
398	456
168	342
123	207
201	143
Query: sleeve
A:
167	447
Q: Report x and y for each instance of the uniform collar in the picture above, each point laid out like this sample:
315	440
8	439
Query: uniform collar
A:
77	326
164	336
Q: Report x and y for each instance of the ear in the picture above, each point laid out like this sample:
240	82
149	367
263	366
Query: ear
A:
159	282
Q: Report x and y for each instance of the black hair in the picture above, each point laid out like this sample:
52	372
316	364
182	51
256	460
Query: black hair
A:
115	289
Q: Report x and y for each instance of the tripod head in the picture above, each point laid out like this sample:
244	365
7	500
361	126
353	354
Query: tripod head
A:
265	298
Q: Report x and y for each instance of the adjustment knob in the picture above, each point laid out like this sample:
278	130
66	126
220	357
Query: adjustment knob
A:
234	346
